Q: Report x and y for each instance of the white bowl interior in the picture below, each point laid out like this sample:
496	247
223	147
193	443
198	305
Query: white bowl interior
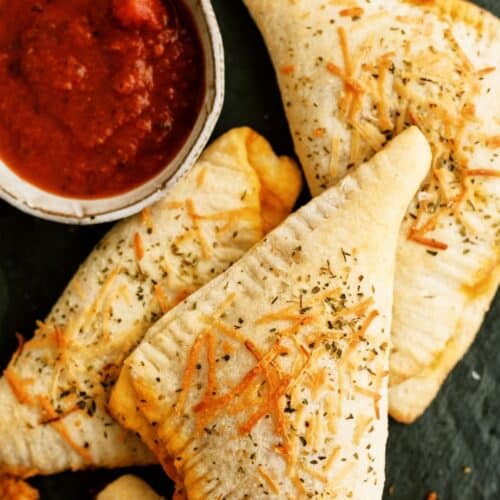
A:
35	201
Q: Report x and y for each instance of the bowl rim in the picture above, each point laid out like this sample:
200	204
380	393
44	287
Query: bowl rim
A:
213	109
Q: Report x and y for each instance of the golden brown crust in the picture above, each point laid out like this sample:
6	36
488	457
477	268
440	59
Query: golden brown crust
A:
19	472
12	488
279	177
484	284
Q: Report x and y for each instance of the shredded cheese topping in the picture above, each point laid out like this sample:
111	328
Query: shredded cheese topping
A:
436	89
273	387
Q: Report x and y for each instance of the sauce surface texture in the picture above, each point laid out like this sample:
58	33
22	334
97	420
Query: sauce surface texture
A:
96	96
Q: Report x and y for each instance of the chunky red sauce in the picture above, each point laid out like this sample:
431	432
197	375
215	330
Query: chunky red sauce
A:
96	96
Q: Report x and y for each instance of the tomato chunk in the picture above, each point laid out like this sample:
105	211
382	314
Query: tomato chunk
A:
139	13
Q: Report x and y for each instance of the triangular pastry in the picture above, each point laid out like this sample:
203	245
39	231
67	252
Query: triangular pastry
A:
352	75
54	392
128	487
271	381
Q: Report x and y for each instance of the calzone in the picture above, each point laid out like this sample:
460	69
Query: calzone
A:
352	75
54	392
271	381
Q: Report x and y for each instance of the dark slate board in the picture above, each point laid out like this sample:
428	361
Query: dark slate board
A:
459	433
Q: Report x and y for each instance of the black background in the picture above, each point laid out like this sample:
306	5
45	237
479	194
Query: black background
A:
460	430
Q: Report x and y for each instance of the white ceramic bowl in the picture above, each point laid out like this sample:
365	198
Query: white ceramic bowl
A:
35	201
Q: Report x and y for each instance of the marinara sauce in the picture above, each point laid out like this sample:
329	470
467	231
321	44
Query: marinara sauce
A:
96	96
